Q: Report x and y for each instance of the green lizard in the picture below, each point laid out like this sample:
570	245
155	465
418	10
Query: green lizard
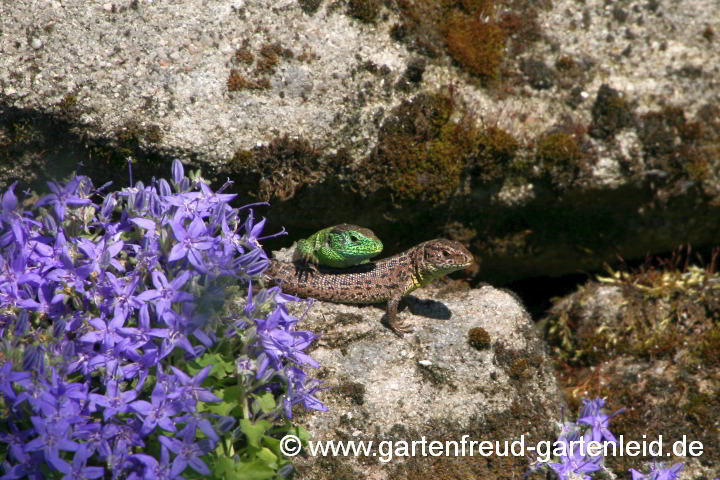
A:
340	246
387	280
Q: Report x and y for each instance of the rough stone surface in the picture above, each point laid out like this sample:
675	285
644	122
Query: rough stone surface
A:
168	63
219	83
429	378
648	343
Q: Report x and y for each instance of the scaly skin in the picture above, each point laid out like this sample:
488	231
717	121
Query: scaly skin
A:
387	280
340	246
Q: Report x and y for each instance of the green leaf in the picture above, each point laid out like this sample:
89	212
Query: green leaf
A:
301	433
220	367
268	457
254	431
265	401
255	469
220	408
235	393
273	444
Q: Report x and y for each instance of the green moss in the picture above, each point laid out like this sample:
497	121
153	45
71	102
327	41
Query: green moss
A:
242	160
422	153
364	10
510	423
475	44
237	81
708	347
521	369
24	132
659	130
68	105
437	376
310	6
558	149
354	391
521	25
565	64
699	406
133	133
479	338
496	150
472	32
610	113
677	146
658	305
270	55
279	168
244	55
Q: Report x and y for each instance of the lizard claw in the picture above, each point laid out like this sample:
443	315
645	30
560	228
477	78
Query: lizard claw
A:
306	270
400	329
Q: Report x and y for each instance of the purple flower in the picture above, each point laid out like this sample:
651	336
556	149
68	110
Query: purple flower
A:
16	270
8	378
52	438
128	435
100	256
79	470
16	441
115	400
178	172
598	420
34	359
658	473
9	214
21	470
61	196
191	243
62	400
159	412
176	334
96	437
122	290
140	366
110	327
574	464
166	292
196	420
152	469
107	333
301	390
192	387
187	453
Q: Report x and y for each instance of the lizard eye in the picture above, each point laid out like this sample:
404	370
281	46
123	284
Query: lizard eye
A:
445	253
353	238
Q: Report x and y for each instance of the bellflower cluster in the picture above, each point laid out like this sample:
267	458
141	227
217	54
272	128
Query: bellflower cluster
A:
124	352
573	462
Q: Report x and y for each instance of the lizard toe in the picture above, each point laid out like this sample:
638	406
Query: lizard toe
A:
401	328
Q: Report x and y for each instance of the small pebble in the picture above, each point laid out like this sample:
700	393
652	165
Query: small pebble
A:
36	43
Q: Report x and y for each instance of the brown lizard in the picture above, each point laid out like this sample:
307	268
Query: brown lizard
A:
389	279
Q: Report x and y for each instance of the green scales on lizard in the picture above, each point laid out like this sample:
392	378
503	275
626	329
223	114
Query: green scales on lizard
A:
340	246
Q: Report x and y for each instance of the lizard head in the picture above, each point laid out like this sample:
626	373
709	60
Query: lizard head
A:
443	256
354	242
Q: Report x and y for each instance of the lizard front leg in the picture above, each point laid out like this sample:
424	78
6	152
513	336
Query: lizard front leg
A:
395	324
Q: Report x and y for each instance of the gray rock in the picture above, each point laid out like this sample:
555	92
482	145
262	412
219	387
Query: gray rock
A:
382	384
